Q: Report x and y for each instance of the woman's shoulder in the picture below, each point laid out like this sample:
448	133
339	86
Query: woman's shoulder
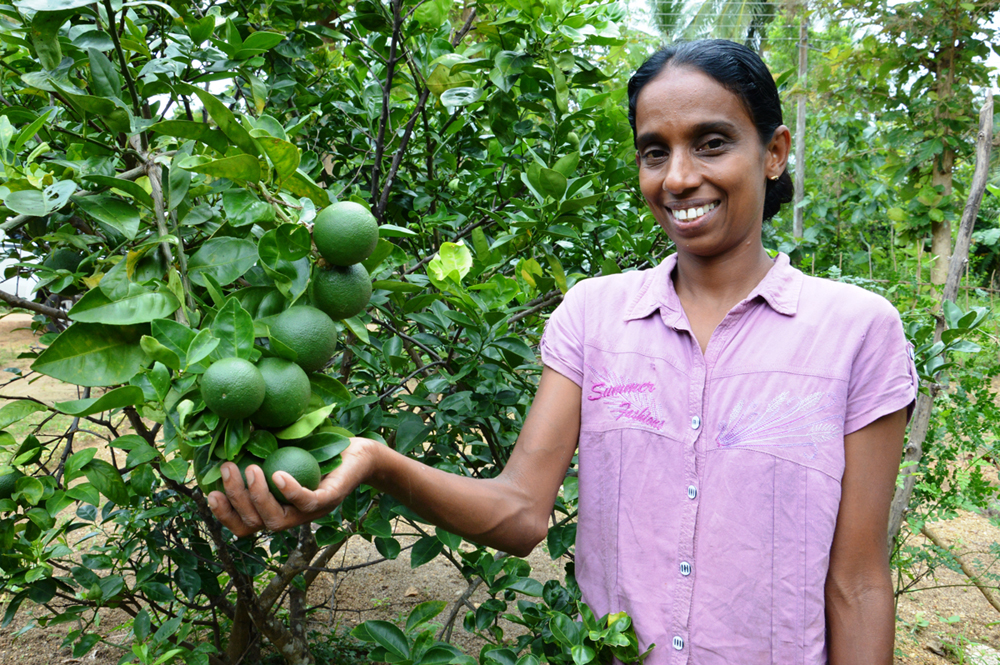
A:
839	299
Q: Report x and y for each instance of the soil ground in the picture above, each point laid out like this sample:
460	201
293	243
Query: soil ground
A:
942	621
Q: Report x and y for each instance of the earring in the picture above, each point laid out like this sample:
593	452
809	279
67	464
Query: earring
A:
773	177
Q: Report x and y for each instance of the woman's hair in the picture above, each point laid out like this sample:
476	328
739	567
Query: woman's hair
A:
743	73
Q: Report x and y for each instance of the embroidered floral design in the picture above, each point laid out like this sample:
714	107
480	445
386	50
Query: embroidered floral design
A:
786	421
625	399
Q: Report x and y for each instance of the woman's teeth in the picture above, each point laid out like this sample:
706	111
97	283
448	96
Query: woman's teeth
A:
687	214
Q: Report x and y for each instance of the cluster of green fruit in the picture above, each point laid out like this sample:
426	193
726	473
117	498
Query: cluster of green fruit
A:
274	392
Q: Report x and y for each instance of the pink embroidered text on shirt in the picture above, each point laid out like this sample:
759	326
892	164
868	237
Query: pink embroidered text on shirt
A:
602	390
627	411
787	421
626	400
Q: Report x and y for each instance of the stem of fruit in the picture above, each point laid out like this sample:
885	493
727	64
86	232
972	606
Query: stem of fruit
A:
274	204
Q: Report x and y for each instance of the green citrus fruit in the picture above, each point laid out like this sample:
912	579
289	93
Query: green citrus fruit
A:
8	483
341	292
297	463
345	233
286	394
573	139
309	332
232	388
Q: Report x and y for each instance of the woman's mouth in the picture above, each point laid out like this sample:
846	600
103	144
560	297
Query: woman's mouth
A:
693	214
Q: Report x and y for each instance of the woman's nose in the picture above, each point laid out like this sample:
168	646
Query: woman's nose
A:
681	174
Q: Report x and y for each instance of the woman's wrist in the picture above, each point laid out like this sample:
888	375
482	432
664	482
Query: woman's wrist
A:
373	453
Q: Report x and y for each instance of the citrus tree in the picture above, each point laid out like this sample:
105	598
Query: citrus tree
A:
167	168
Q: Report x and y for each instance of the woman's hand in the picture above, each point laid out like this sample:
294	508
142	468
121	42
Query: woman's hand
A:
246	510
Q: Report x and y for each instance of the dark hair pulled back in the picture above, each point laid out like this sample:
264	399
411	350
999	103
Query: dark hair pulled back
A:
743	73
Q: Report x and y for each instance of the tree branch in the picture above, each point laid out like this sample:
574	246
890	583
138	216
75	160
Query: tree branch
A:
925	401
51	312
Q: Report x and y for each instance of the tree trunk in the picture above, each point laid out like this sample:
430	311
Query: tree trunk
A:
800	127
925	402
941	174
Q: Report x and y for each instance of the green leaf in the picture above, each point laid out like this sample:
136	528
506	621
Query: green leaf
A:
39	203
107	480
357	326
104	78
294	242
516	347
547	181
233	327
432	13
45	34
51	5
203	344
397	287
119	215
138	306
423	613
32	129
225	259
424	550
306	424
244	208
567	164
389	637
160	353
133	189
410	432
17	411
301	185
93	354
239	168
329	389
454	261
325	445
283	155
179	182
195	131
390	231
113	399
226	121
582	654
30	488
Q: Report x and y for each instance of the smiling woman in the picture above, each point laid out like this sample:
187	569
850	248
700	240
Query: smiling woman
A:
742	427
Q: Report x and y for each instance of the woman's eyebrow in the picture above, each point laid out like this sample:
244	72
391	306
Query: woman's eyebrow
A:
700	129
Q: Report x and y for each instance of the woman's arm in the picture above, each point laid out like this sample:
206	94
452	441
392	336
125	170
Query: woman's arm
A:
509	512
860	615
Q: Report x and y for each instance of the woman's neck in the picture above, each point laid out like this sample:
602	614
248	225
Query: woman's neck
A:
719	283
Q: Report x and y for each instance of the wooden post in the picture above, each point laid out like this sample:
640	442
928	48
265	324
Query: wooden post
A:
800	126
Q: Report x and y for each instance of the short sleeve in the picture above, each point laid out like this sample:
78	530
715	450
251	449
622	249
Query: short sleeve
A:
883	375
562	341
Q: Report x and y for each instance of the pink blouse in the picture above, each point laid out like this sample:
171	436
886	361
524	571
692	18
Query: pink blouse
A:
710	483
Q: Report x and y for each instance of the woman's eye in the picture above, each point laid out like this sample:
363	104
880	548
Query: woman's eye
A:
713	144
654	156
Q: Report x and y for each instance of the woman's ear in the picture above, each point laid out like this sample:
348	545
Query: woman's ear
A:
777	151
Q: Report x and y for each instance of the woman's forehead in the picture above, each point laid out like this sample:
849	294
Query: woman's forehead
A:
688	95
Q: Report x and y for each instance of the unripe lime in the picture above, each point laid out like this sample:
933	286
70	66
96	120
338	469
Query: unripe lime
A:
573	139
309	332
286	395
297	463
341	292
345	233
232	388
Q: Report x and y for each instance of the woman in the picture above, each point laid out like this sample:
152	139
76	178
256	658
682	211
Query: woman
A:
739	424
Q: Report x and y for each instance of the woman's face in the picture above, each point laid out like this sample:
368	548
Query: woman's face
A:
702	167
